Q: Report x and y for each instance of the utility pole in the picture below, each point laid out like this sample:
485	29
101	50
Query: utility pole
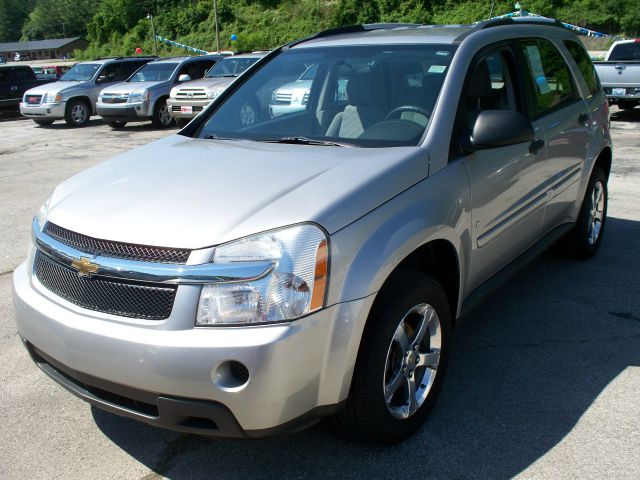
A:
491	11
153	32
215	17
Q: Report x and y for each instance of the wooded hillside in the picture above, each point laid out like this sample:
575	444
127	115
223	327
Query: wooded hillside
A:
117	27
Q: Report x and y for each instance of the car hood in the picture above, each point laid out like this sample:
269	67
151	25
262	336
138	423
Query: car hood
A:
56	87
193	193
209	82
128	87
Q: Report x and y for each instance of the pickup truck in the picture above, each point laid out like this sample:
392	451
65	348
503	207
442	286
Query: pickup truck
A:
14	81
620	73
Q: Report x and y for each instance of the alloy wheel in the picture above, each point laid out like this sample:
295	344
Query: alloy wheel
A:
412	361
596	215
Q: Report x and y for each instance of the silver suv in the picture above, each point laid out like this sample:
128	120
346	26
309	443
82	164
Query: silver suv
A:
189	99
143	96
245	281
73	98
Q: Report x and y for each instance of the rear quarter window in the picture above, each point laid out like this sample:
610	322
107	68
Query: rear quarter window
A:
549	75
588	71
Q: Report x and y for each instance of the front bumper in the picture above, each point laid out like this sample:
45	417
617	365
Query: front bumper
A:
175	107
297	370
124	112
46	111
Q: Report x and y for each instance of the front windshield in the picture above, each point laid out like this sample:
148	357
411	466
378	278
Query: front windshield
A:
154	72
81	72
625	52
368	96
230	67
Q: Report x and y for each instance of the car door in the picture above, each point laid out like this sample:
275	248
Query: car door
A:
507	200
109	74
555	102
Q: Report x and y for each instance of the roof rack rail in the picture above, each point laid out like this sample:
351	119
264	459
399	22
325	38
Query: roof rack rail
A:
365	27
499	22
122	58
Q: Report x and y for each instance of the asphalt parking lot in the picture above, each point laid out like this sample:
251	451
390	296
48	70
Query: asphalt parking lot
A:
544	380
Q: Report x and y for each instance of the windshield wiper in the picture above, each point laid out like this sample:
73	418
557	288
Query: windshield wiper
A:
306	141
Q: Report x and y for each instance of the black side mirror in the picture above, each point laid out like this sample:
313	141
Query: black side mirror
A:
499	128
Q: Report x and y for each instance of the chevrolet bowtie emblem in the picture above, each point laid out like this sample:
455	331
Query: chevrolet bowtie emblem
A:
84	266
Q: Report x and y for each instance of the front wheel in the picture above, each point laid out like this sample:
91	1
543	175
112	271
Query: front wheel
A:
77	113
584	240
161	117
401	362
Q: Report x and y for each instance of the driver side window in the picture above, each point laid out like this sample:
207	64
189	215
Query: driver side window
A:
489	86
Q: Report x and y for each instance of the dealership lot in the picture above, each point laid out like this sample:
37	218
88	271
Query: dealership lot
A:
544	383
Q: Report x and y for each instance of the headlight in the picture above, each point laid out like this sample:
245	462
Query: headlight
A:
43	212
137	97
214	92
295	286
52	98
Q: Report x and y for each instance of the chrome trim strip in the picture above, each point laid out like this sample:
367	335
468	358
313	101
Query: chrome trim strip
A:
163	273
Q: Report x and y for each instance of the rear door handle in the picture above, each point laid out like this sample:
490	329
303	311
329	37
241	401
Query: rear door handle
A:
583	118
535	146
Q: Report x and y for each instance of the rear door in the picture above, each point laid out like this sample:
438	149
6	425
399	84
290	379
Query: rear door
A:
555	102
507	199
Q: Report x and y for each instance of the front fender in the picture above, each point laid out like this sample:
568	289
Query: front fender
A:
366	252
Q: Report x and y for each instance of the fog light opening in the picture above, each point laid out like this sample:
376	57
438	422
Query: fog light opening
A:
231	376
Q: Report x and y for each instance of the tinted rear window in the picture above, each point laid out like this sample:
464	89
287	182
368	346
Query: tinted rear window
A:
625	52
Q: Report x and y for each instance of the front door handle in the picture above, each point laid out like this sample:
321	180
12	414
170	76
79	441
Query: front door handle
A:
583	118
14	88
535	146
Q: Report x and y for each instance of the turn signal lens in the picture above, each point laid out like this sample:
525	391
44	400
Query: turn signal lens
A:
320	279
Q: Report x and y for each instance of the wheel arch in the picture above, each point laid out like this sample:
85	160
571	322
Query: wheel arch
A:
82	98
604	160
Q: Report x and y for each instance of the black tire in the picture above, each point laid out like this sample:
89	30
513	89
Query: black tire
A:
116	125
248	114
627	104
77	113
182	122
579	242
367	414
161	117
43	123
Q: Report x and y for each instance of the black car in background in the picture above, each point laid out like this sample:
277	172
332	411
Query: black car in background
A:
14	81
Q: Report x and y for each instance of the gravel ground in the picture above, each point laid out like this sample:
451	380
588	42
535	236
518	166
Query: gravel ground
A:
544	382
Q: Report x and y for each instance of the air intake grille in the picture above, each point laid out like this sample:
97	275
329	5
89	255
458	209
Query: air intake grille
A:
126	299
109	248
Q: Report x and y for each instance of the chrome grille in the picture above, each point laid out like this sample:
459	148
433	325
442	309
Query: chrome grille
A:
114	98
283	98
188	93
34	99
123	298
108	248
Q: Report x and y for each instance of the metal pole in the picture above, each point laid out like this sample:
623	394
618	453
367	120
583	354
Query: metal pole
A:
153	32
215	16
491	12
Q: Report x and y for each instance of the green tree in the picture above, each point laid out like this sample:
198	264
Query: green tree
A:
58	18
13	14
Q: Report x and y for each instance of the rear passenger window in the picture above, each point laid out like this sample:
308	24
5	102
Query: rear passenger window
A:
549	74
580	56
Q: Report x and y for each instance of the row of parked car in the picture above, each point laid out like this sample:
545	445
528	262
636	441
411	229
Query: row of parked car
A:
161	90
